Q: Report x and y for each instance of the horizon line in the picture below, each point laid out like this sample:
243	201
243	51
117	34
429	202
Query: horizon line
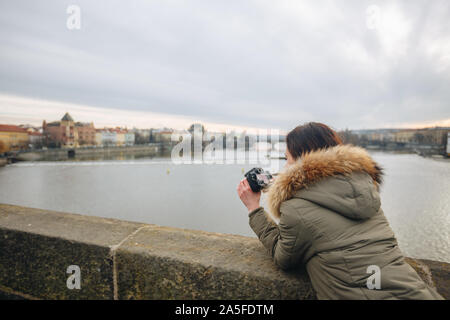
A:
18	113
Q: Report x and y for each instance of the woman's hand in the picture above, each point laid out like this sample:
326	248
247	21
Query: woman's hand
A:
248	197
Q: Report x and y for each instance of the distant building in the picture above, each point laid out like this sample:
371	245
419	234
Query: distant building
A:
162	135
377	136
12	138
67	133
436	135
425	136
61	133
120	136
129	138
98	137
381	136
105	137
114	137
141	136
86	133
35	139
404	136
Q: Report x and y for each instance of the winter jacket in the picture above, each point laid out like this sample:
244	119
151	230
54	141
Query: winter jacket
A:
331	221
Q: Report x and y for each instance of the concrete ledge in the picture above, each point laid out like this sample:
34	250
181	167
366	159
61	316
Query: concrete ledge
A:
169	263
37	246
126	260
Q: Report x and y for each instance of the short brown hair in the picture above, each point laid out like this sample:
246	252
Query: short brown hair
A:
309	137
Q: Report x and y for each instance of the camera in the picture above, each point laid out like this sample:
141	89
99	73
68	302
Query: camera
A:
258	179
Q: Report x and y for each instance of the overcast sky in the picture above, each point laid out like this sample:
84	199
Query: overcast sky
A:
276	64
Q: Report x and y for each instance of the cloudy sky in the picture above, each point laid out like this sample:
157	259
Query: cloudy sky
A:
262	63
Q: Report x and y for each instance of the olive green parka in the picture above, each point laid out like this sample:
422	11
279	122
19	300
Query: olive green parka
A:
331	221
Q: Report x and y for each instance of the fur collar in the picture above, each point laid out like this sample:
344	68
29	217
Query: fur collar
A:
317	165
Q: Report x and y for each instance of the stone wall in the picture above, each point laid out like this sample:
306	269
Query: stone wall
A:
83	152
127	260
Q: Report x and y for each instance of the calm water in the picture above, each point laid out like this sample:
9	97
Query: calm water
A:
415	195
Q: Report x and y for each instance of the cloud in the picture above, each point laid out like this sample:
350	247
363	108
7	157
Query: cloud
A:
247	63
34	111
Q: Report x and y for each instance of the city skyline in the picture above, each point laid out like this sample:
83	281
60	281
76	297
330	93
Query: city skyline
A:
17	107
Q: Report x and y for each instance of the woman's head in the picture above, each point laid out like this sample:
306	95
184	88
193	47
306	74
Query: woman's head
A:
309	137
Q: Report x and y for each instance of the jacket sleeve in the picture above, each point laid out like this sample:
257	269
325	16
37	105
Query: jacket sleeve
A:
289	242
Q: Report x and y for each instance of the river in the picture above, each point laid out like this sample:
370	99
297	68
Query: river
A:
415	195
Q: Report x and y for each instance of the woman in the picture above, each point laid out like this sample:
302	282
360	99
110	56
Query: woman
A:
330	220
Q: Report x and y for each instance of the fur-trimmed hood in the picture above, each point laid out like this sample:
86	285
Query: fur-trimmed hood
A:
315	166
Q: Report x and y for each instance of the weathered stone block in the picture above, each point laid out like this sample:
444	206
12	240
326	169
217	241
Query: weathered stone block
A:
170	263
37	246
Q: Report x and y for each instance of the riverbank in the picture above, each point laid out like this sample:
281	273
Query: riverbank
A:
126	260
149	151
438	157
91	153
407	148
